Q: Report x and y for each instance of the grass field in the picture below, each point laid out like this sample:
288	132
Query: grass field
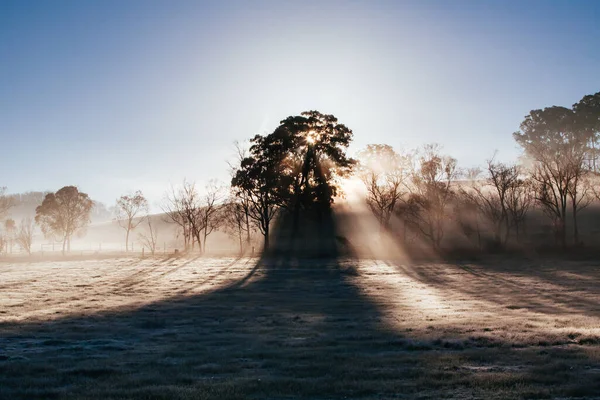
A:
195	328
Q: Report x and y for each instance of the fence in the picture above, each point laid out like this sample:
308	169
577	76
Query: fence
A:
102	249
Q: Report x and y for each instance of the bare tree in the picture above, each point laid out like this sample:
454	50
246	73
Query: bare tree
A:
190	200
467	207
175	212
502	178
236	221
149	239
129	207
25	234
210	210
481	195
491	195
432	190
185	208
10	229
578	189
520	198
384	173
240	197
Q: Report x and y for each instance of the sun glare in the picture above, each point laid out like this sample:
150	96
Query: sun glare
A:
311	137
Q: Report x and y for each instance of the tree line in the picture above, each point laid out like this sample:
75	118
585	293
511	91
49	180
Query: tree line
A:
557	175
298	168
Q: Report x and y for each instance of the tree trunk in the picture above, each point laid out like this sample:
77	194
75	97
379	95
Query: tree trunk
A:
562	232
199	242
478	232
64	244
186	238
266	235
507	229
563	220
127	241
247	228
575	227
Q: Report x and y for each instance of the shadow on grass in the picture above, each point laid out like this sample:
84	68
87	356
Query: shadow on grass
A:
292	327
545	287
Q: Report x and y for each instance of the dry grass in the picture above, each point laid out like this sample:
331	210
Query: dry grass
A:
239	328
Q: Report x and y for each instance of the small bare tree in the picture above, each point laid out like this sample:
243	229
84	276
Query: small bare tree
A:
129	207
384	173
175	212
467	208
235	221
149	239
190	200
519	201
491	195
210	212
10	229
432	190
579	190
185	208
240	197
25	234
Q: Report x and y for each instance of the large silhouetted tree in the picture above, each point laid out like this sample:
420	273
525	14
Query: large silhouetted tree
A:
297	166
316	156
64	213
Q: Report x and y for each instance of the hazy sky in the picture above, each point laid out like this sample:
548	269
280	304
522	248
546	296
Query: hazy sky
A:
114	96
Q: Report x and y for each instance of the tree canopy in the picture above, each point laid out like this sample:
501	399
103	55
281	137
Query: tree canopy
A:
64	213
297	166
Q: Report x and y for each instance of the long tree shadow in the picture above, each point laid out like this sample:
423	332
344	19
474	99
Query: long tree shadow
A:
292	328
540	287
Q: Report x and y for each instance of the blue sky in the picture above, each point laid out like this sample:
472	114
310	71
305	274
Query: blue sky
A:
115	96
